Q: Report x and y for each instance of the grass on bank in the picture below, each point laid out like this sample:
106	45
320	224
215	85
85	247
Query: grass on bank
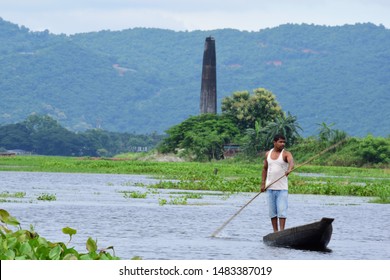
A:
224	168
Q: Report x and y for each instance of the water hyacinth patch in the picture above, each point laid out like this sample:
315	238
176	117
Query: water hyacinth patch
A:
47	197
7	194
232	176
4	196
134	194
23	244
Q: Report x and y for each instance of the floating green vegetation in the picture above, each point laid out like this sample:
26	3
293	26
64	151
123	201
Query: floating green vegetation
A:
173	200
132	184
233	176
7	194
152	190
214	183
134	194
204	193
178	200
190	195
23	244
162	201
47	197
342	186
383	196
172	170
3	200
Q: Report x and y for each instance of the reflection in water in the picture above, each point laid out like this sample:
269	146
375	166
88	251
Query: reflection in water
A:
95	205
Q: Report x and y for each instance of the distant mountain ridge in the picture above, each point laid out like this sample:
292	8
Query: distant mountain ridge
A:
144	80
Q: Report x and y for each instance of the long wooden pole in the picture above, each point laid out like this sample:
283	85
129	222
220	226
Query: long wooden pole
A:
295	168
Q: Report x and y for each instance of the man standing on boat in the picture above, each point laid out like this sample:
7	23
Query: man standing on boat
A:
278	163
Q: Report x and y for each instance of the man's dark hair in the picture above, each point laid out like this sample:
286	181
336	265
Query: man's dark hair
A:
279	136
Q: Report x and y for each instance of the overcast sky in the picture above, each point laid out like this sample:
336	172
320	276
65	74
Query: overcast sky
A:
77	16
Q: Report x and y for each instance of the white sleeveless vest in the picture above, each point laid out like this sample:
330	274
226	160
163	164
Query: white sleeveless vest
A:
276	169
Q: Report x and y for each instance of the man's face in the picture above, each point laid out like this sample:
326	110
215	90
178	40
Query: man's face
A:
280	144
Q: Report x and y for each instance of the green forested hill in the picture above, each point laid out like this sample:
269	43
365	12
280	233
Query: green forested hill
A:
143	80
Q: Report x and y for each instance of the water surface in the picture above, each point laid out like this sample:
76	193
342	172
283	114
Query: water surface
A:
94	205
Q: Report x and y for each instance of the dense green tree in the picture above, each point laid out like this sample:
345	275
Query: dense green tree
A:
176	133
375	150
43	135
100	141
15	136
245	108
50	138
201	136
38	123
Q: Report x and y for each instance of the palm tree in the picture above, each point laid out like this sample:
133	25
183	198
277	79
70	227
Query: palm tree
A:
286	126
329	135
325	132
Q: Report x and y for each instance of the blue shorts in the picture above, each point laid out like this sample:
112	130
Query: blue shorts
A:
277	203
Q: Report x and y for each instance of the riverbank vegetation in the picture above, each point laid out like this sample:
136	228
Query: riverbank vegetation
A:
43	135
248	123
197	147
230	175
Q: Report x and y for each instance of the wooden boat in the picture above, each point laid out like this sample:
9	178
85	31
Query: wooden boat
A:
314	236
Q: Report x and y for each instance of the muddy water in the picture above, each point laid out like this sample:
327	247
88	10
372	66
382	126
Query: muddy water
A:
95	205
